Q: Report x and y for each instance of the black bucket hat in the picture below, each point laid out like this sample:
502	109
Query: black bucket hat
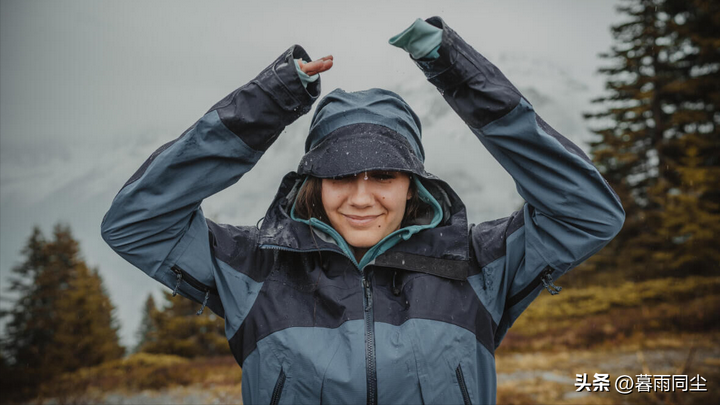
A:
353	132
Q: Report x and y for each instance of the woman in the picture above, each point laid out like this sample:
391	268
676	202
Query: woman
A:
365	282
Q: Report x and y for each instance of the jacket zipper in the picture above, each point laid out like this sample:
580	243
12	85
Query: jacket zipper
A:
543	278
548	284
369	323
181	275
275	399
463	387
369	340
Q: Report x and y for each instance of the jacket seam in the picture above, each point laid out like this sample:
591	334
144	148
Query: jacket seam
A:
237	136
231	99
480	129
261	338
449	323
504	251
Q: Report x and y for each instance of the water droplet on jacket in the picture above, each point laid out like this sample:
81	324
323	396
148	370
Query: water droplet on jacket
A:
403	262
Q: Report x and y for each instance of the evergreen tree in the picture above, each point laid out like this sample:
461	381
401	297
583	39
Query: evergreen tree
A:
659	143
179	330
691	219
62	319
147	332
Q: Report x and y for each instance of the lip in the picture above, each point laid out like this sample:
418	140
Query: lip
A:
360	220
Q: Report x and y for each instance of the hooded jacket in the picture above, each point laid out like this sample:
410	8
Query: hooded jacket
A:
420	322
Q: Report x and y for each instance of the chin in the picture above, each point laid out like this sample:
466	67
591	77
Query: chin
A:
362	242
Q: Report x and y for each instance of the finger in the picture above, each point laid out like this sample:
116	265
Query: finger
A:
317	66
326	64
314	65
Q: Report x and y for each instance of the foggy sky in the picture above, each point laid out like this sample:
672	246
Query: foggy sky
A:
88	89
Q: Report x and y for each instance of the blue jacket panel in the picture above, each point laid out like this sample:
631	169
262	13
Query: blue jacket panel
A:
420	322
570	212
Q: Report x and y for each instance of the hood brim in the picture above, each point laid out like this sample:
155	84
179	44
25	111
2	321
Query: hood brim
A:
361	147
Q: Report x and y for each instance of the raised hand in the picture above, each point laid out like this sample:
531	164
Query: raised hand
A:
316	66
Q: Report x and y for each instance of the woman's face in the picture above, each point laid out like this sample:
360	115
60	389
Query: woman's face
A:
366	207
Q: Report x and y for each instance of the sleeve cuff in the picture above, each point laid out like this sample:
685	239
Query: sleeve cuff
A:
453	66
304	77
420	40
282	82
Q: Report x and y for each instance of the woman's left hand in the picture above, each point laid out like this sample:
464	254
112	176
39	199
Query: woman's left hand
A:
316	66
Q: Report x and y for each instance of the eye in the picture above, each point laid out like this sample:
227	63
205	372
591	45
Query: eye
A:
342	178
383	176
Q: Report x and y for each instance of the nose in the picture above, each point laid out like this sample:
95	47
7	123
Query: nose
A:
361	194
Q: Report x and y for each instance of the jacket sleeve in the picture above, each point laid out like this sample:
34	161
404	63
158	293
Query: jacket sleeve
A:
155	221
570	211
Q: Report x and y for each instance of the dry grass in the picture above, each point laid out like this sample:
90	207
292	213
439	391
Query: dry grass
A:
143	372
623	315
549	377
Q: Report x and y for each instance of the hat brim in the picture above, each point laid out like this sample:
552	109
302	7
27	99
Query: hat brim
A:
358	148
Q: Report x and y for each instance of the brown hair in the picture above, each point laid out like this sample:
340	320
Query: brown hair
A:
309	203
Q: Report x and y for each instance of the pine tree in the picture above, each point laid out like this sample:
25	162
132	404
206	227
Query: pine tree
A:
691	219
63	318
148	331
180	331
658	119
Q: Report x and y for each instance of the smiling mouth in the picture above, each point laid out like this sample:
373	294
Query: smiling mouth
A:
360	220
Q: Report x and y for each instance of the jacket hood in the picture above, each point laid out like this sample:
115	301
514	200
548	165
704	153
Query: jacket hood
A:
441	250
375	129
360	131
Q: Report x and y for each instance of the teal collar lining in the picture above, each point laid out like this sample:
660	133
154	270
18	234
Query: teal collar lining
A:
388	241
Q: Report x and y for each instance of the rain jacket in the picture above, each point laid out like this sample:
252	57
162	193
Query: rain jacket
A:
420	322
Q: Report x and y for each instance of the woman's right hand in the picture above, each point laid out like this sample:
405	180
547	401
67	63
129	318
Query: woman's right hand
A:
316	66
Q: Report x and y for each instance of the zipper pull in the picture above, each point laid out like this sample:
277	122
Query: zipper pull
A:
396	291
207	295
548	284
178	275
368	294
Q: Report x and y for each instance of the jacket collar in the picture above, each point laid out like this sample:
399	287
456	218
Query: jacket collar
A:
446	243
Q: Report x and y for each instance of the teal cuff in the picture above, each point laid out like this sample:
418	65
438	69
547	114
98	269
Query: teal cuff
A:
421	40
304	77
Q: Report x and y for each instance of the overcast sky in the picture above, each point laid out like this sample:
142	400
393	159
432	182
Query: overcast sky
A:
88	89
